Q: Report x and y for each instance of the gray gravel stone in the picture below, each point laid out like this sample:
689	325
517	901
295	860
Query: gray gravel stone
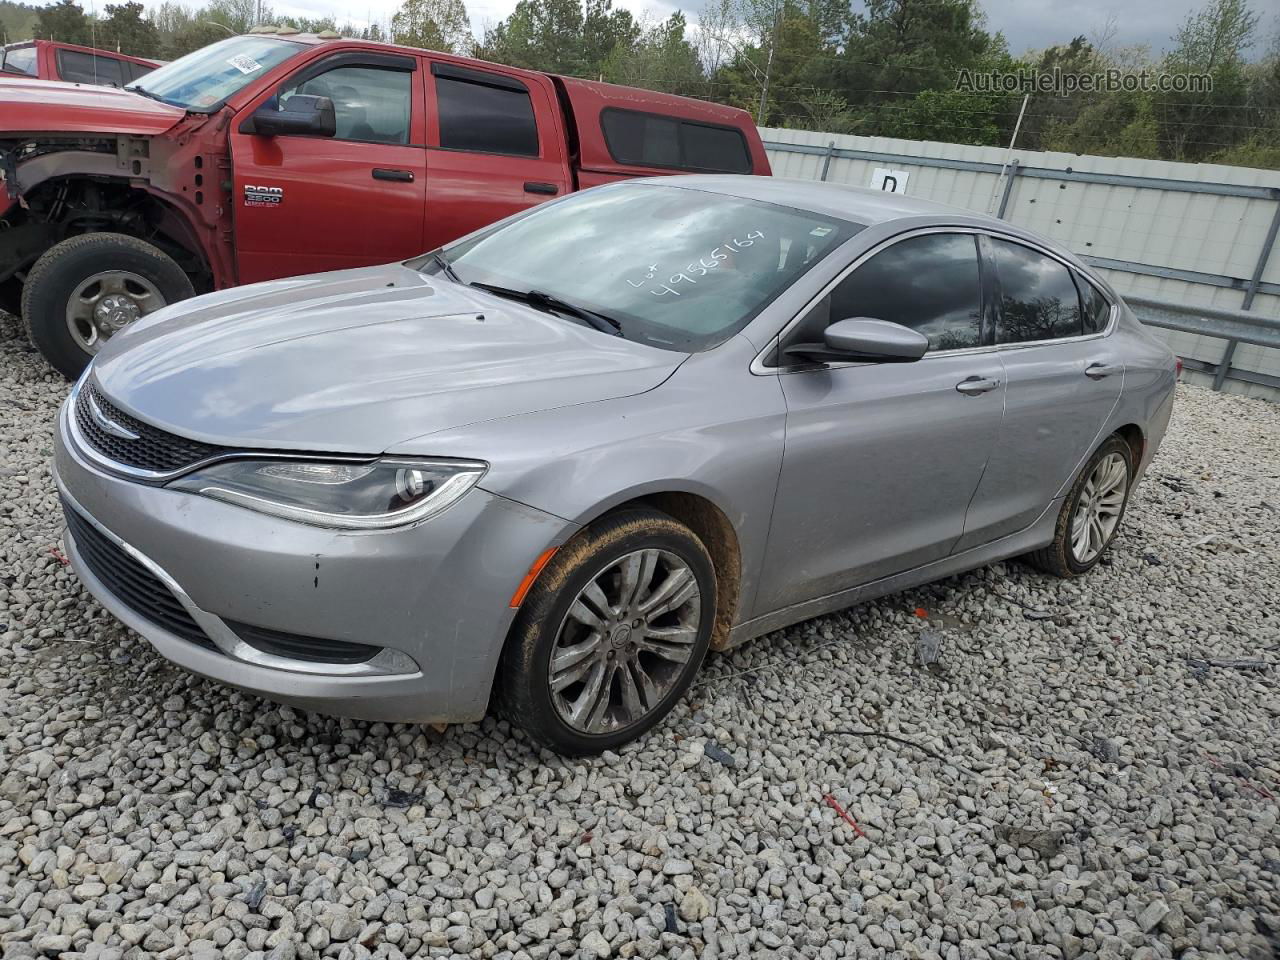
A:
1062	787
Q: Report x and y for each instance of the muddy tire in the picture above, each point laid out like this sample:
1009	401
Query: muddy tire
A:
1091	512
611	635
87	287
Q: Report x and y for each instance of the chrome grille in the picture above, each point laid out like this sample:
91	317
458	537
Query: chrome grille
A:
154	450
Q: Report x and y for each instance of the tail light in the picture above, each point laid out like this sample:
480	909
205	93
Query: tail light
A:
1177	367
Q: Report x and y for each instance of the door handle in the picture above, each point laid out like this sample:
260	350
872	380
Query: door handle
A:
1096	371
973	386
386	173
533	186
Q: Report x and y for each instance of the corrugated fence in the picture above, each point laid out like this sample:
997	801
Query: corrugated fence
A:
1197	234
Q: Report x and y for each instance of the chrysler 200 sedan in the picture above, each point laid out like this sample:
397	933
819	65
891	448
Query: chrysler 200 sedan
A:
557	461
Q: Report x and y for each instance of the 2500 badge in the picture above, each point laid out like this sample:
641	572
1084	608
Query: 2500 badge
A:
255	196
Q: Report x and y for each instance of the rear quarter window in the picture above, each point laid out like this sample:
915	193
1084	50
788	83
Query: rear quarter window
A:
655	140
1096	308
20	60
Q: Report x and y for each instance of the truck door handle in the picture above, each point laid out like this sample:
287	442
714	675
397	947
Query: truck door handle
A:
533	186
973	386
386	173
1096	371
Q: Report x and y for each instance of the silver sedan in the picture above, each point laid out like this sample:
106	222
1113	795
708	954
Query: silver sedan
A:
553	464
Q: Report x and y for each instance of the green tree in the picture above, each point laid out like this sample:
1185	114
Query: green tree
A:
434	25
125	30
65	21
1211	41
662	59
561	36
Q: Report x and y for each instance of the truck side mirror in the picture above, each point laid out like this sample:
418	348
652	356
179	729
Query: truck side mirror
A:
301	115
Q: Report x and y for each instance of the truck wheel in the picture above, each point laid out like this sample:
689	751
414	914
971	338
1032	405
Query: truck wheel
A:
86	288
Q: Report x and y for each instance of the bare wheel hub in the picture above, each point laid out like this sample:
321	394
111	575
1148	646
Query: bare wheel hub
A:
625	641
105	302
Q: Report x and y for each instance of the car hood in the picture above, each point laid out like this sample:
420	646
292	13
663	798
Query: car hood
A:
358	361
51	106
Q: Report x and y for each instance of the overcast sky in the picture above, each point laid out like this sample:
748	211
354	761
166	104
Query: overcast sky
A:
1028	24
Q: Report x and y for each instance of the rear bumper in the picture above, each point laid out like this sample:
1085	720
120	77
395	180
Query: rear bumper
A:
434	597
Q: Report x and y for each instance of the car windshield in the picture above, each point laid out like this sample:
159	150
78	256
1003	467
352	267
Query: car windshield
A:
203	79
678	268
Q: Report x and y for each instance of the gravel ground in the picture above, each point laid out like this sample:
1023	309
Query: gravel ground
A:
1086	770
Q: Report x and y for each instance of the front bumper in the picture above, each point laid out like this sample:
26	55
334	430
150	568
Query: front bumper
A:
434	596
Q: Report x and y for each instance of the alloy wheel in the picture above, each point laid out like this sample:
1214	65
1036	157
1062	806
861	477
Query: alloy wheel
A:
1098	508
625	641
105	302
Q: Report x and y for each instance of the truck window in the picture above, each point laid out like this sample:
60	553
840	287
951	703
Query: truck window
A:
21	60
654	140
76	67
484	112
369	104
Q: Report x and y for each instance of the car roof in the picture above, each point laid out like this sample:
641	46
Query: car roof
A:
857	204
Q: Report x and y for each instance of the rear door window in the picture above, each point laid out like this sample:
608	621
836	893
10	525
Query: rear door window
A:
20	60
484	113
1038	298
654	140
76	67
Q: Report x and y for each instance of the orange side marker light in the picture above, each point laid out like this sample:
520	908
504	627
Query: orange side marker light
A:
544	558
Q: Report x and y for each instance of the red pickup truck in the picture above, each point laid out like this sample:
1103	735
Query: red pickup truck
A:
270	155
49	60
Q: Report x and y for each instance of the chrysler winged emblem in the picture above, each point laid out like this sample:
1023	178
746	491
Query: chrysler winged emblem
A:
107	424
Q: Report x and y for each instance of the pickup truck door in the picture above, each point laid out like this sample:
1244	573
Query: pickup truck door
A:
496	146
305	204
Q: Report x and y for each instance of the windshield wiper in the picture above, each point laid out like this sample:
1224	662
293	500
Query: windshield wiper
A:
546	301
145	92
441	261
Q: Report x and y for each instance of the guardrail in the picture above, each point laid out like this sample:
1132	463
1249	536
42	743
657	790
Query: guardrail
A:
1233	326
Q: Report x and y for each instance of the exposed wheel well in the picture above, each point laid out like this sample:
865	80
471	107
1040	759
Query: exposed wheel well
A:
69	206
712	527
1131	434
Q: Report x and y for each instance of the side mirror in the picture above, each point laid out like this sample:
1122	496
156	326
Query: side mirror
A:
303	115
863	339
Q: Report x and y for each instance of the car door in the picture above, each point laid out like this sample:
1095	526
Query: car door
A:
881	459
1063	381
305	204
497	147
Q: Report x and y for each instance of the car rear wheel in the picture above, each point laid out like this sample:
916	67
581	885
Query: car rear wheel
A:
1091	512
84	289
611	635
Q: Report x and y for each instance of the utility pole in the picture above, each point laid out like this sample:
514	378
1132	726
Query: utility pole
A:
768	64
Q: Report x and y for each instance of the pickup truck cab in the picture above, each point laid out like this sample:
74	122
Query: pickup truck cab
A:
72	63
276	154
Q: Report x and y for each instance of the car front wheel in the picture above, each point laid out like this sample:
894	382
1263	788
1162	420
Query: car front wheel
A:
611	635
88	287
1091	512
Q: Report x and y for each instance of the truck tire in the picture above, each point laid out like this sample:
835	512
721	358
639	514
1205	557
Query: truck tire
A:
86	288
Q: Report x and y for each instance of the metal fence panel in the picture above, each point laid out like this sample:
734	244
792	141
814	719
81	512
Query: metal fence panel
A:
1188	233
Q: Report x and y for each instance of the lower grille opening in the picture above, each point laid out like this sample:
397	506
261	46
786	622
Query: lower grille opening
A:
297	647
131	582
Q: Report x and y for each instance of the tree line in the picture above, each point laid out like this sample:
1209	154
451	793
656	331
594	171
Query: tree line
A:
890	69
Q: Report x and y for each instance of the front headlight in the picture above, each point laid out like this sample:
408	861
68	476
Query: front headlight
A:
353	496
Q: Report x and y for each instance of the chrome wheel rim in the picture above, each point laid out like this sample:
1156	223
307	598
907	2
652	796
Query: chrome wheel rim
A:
625	642
1098	508
105	302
